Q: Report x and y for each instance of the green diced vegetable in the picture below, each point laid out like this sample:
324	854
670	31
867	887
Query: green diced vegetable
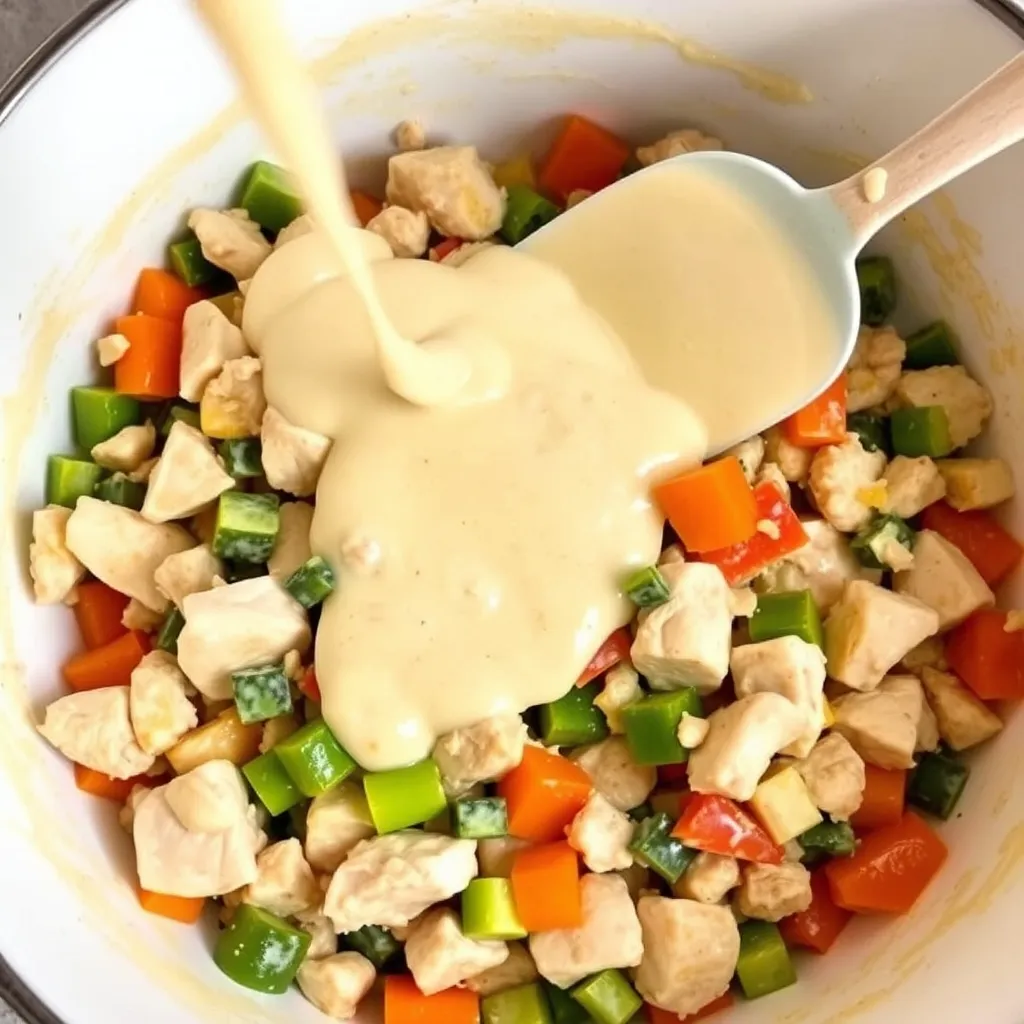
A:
524	1004
314	759
377	944
188	262
260	693
646	588
608	997
834	838
480	818
937	783
178	411
872	430
311	583
271	783
872	544
100	413
526	212
242	457
652	723
489	911
764	965
564	1009
921	431
791	613
405	796
934	345
655	847
877	281
573	720
68	478
270	196
641	811
167	638
119	490
261	951
246	526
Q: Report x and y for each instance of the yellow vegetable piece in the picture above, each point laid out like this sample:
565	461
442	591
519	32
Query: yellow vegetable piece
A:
518	171
784	806
225	738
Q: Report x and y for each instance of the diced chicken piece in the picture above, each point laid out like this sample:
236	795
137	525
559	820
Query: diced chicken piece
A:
870	630
709	878
126	815
683	140
750	454
410	136
252	622
794	463
144	472
302	225
439	956
624	783
94	728
834	775
496	856
638	880
389	880
336	822
943	578
690	953
601	834
874	368
911	485
452	186
792	668
976	483
518	969
928	737
882	726
233	402
209	340
770	892
968	405
161	713
111	348
291	548
577	196
292	456
325	941
188	477
137	616
127	449
188	572
608	937
285	883
231	240
692	731
963	720
770	473
686	640
277	729
55	569
621	688
839	473
336	984
179	861
480	753
406	231
930	652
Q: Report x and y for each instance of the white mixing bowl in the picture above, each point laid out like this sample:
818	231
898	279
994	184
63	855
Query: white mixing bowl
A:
125	122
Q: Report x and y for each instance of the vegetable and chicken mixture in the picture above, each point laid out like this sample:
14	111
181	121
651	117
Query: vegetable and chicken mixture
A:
726	785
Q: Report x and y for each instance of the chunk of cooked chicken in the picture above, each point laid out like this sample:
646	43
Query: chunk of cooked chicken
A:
127	449
928	737
406	231
179	861
291	548
94	728
285	884
963	720
882	726
496	856
750	454
930	652
943	578
976	483
577	196
440	956
292	456
452	186
54	568
389	880
968	405
336	984
188	572
770	892
410	135
161	713
325	941
839	473
874	368
277	729
126	815
480	753
252	622
624	783
233	402
911	485
794	463
709	878
686	640
792	668
231	240
122	549
690	953
692	731
208	341
621	688
683	140
337	821
870	630
834	775
608	937
601	834
137	616
771	473
518	969
742	739
302	225
111	348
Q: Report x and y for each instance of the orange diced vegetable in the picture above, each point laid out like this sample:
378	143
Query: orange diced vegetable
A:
365	206
711	507
609	654
988	547
546	887
817	927
163	294
186	909
110	665
95	783
988	658
584	156
150	367
98	613
544	792
404	1003
883	798
890	869
820	422
657	1015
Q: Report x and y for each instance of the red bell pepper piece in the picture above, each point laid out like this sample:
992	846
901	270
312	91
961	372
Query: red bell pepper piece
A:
882	803
718	825
988	658
988	547
819	925
820	422
308	684
444	248
609	654
657	1015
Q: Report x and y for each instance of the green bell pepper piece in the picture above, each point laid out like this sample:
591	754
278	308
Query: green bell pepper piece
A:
175	411
246	526
119	490
170	630
525	213
377	944
261	951
480	818
655	847
877	281
261	692
573	720
872	543
272	785
68	478
243	457
646	587
790	613
934	345
872	430
489	911
270	196
406	796
833	838
311	583
564	1009
608	997
651	724
524	1004
764	965
921	431
188	262
314	759
937	783
99	413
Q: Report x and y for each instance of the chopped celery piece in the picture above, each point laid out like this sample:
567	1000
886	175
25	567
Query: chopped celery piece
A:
314	759
311	583
167	638
489	911
877	281
261	693
188	262
119	490
608	997
764	965
269	196
791	613
564	1009
655	847
178	411
68	478
100	413
526	212
480	817
573	720
934	345
377	944
406	796
261	951
872	545
242	457
834	838
246	526
872	430
646	587
652	724
921	431
937	783
271	783
524	1004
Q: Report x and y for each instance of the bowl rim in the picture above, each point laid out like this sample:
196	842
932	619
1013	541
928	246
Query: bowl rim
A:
25	1002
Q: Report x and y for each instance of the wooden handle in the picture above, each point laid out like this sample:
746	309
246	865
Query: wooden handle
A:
983	123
